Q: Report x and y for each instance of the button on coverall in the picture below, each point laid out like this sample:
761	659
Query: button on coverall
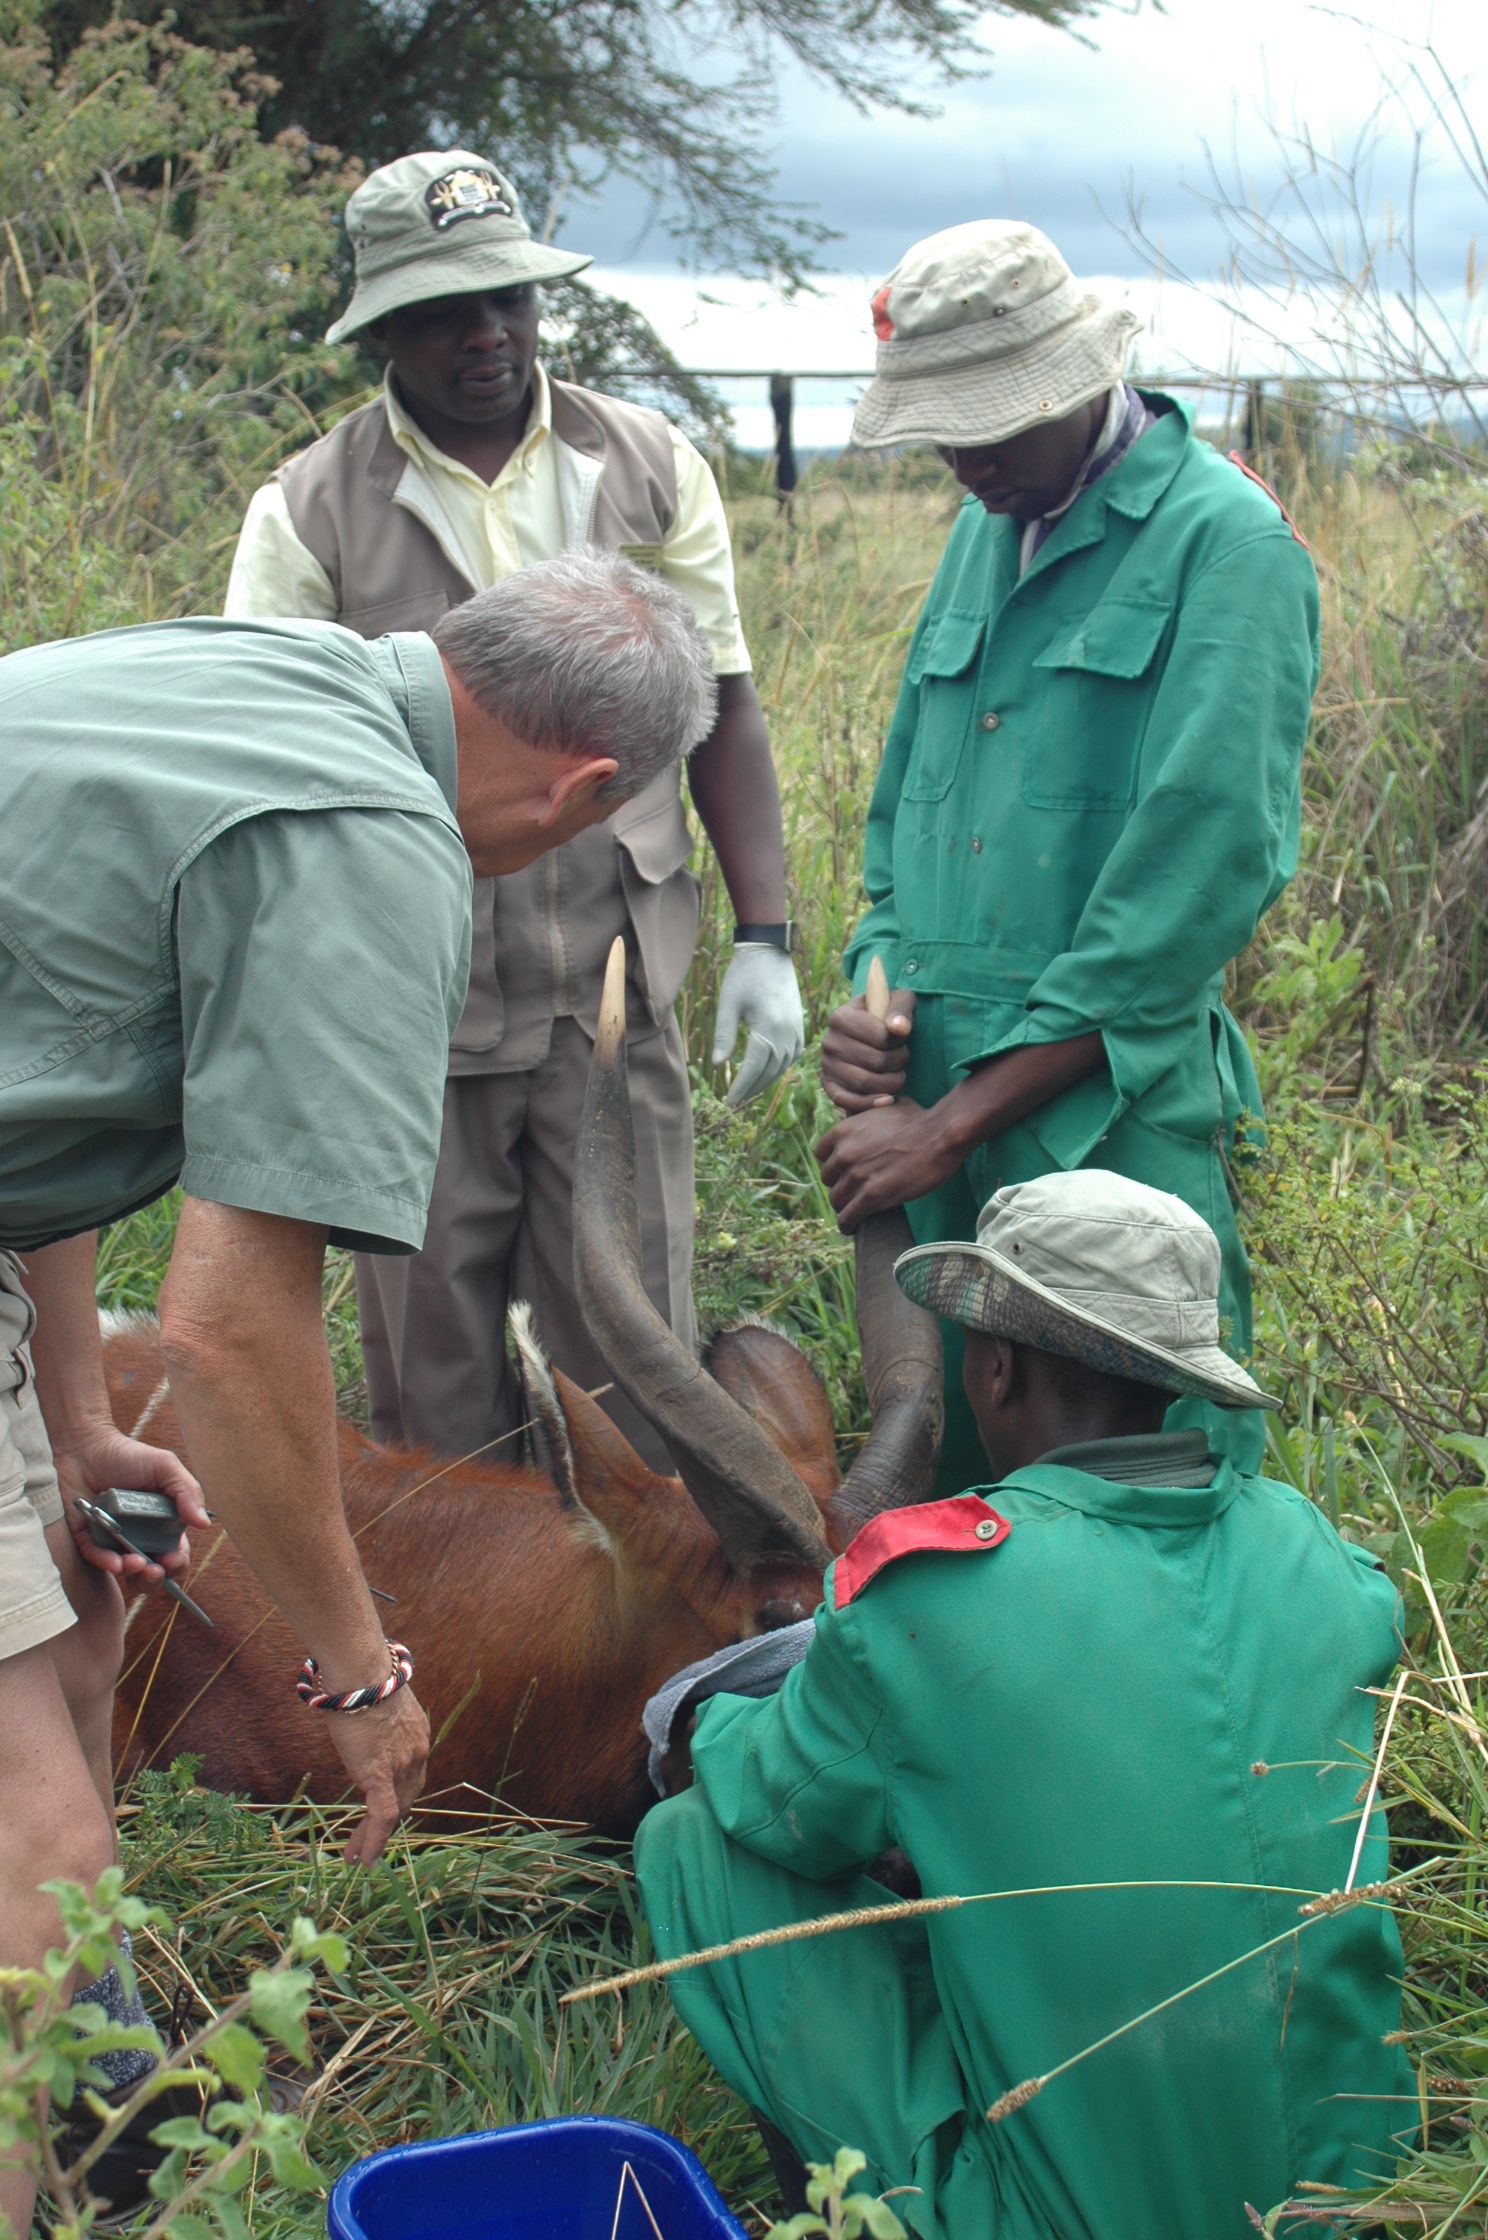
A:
1089	795
1096	1699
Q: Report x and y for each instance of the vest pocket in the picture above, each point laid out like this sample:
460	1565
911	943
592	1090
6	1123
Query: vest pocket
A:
1092	712
418	610
944	666
662	898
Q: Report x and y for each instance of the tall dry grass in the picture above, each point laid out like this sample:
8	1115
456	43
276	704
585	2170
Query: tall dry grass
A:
158	276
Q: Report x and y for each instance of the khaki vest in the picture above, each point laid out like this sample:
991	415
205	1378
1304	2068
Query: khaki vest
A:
372	517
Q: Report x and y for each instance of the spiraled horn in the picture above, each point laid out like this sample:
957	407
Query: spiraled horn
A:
904	1371
742	1484
903	1365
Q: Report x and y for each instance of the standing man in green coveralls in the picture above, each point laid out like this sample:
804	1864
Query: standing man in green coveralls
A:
1090	792
1126	1680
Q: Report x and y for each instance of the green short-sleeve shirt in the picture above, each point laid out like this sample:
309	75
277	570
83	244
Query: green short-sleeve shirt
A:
234	926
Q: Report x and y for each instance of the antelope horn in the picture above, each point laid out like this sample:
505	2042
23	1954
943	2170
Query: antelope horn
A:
740	1481
905	1375
902	1363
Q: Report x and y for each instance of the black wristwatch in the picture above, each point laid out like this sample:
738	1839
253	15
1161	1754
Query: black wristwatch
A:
781	936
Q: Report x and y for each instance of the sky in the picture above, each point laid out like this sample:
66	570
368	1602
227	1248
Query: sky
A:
1069	135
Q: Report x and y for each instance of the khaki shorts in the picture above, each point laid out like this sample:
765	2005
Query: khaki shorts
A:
33	1601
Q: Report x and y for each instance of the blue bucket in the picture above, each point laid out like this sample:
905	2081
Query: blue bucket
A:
575	2178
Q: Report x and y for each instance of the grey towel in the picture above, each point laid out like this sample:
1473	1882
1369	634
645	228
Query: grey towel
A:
129	2063
747	1668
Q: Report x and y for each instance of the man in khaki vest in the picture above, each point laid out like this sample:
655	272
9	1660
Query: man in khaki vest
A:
471	464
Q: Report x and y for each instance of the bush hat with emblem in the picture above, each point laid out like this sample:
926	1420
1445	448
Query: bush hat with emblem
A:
982	334
1096	1267
445	223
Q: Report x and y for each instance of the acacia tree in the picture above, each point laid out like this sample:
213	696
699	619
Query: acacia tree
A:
165	277
678	98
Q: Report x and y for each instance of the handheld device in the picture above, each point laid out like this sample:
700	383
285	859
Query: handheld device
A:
149	1520
141	1524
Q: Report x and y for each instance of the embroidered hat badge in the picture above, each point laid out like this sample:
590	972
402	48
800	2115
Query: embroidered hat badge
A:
465	193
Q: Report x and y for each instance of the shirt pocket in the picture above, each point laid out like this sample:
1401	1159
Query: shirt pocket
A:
945	668
1092	711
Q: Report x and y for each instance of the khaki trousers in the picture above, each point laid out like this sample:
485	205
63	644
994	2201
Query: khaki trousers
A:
33	1601
501	1228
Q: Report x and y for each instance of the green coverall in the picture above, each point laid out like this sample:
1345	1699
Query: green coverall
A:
1137	1684
1089	794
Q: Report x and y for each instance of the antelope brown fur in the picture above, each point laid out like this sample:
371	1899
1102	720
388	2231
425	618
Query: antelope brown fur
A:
544	1605
548	1616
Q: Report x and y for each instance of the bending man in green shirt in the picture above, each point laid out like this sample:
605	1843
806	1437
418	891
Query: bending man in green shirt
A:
235	922
1090	791
1124	1685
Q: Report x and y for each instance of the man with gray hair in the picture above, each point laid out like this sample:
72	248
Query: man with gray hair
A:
588	655
234	935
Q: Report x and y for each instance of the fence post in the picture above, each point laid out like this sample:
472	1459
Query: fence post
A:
782	404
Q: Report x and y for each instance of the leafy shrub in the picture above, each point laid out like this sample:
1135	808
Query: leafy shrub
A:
164	281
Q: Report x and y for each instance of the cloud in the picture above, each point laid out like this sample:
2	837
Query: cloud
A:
1062	133
1067	135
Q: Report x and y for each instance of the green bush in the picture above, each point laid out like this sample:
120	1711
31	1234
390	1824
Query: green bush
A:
164	281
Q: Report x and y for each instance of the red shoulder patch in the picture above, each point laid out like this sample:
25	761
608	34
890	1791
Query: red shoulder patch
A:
964	1526
1251	476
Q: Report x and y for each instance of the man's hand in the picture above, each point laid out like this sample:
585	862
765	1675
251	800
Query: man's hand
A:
385	1750
244	1341
759	992
865	1061
732	776
877	1159
101	1456
90	1452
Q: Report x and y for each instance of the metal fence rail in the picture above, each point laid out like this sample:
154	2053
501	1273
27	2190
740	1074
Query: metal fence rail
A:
1251	400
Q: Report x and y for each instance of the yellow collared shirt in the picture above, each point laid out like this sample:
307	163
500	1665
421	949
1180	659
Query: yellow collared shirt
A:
499	527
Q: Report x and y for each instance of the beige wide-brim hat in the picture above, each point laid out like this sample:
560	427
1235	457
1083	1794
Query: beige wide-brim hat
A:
1098	1268
444	223
982	334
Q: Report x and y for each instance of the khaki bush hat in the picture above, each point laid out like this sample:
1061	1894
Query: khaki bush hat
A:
1103	1270
983	333
445	223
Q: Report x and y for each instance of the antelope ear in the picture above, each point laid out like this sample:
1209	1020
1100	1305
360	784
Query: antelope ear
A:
610	1480
775	1383
552	1449
594	1466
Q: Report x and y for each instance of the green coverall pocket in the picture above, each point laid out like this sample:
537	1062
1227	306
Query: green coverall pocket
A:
1093	712
944	668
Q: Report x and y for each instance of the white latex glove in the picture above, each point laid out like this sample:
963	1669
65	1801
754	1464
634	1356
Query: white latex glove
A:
759	992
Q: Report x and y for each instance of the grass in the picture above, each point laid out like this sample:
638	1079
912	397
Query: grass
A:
1364	995
163	282
448	2017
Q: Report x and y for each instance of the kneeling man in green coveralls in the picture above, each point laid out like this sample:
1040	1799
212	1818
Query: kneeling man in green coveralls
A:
1090	790
1126	1682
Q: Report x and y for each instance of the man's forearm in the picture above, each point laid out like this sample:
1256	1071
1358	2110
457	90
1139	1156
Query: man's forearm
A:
732	776
253	1389
1006	1089
67	1348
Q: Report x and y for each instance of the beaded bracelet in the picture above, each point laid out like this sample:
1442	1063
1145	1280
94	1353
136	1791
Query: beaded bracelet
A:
317	1698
